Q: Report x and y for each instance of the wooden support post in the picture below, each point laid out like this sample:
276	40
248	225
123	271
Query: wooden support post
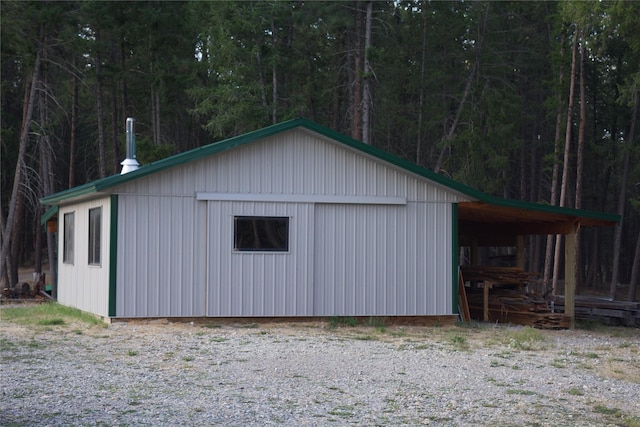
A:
475	255
520	251
570	276
487	286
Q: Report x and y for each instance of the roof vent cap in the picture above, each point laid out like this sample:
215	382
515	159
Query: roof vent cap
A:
130	163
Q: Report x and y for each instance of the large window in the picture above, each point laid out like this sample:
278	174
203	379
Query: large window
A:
95	225
67	250
260	234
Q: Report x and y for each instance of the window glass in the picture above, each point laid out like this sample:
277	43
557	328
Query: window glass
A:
67	251
260	234
95	222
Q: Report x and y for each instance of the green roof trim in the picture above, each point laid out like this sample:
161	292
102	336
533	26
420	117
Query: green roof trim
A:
227	144
51	212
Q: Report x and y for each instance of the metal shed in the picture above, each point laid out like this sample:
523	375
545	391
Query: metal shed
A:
293	220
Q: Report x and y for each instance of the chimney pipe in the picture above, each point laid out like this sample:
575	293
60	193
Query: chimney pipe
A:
130	163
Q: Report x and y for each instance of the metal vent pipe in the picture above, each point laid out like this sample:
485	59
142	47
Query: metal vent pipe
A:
130	163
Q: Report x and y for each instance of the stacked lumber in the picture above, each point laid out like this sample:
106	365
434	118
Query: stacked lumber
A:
616	312
508	301
515	306
499	275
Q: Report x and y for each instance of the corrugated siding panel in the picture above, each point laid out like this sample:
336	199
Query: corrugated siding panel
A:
382	260
259	283
161	262
81	285
295	162
175	254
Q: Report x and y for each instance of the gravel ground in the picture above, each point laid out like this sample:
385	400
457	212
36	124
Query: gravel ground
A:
158	373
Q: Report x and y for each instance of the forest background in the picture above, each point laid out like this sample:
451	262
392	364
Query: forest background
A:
535	101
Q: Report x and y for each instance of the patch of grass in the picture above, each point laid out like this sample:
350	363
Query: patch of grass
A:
345	411
574	391
599	326
591	355
47	314
188	358
340	321
633	421
211	326
378	323
219	339
35	344
5	344
48	322
521	392
132	353
250	326
527	338
558	363
459	342
601	409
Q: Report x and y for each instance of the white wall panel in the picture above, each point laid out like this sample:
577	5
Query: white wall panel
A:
81	285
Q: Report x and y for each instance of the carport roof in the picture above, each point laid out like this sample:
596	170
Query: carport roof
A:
512	215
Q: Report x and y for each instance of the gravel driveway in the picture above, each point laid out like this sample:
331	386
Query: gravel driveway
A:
158	373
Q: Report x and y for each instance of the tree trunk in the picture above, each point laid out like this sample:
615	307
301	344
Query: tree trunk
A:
115	114
16	237
622	198
356	129
74	128
157	121
29	101
115	131
548	260
423	67
467	90
367	76
263	85
274	79
566	158
635	271
580	161
46	167
102	151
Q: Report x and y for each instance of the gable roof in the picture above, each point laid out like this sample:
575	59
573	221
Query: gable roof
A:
499	208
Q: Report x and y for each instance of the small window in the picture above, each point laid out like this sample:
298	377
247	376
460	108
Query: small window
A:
67	250
261	234
95	225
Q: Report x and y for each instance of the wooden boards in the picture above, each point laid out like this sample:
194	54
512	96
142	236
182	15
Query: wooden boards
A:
498	294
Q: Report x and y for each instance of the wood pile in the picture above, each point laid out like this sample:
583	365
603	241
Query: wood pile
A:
498	275
515	306
614	312
507	300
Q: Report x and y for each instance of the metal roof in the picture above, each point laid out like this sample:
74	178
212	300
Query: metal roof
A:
523	217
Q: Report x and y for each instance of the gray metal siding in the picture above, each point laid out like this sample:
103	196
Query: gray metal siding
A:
259	283
161	265
175	253
368	265
296	162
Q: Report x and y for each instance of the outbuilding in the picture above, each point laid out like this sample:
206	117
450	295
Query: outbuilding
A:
293	220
